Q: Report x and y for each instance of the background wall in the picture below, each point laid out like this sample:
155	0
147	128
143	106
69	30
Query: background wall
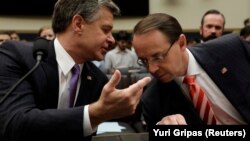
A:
188	12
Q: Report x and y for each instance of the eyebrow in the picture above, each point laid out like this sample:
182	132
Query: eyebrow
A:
151	56
157	54
110	27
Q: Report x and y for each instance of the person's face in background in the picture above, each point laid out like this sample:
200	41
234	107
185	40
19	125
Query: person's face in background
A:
245	33
213	27
4	37
47	33
15	36
165	60
247	38
123	44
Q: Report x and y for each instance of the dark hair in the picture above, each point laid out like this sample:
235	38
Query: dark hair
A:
5	32
122	35
11	32
245	31
42	29
212	11
162	22
64	10
246	21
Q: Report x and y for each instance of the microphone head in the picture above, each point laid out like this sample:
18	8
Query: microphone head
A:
40	48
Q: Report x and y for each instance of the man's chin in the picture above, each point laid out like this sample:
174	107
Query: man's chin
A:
99	58
101	55
165	79
211	37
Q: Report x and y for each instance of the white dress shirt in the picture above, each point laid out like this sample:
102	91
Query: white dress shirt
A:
224	111
117	58
65	63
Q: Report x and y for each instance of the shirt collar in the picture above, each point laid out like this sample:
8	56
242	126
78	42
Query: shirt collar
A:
64	60
193	68
117	49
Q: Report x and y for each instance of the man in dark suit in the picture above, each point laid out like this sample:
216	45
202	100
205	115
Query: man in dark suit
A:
39	108
220	66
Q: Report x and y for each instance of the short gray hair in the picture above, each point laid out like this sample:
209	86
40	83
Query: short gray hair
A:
65	10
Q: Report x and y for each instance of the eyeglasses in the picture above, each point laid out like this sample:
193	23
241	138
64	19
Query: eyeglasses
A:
156	59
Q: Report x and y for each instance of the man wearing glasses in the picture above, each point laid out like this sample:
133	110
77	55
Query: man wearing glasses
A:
217	89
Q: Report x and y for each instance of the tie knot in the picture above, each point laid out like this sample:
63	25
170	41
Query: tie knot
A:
189	79
76	69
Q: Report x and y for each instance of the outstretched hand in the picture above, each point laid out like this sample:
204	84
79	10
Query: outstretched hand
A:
114	103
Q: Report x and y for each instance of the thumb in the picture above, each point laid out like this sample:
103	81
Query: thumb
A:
115	79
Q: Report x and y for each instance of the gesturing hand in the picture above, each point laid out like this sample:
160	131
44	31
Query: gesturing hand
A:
114	103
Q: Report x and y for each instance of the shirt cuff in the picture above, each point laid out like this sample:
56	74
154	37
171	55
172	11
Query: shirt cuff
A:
87	128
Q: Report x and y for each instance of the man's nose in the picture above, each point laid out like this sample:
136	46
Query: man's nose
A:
111	39
152	67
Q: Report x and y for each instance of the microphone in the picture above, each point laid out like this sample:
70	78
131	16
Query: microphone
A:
40	49
40	52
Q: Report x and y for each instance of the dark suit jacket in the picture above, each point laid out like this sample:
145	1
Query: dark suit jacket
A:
229	51
30	112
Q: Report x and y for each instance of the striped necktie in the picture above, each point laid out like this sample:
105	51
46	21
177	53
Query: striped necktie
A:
200	100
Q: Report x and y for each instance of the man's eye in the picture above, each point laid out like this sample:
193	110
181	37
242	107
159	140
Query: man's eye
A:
156	58
106	30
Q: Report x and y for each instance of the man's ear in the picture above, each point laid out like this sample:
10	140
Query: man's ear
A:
200	30
78	23
182	41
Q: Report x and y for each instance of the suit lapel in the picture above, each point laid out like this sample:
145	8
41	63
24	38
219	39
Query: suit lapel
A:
51	89
51	71
88	82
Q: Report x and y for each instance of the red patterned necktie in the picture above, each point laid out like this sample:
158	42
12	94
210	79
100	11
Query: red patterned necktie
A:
200	100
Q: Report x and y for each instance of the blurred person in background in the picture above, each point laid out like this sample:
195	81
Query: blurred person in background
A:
212	25
14	35
245	33
120	57
46	32
4	36
246	22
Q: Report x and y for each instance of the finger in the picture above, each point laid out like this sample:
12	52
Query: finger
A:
176	119
139	85
143	82
138	95
169	121
180	120
115	79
